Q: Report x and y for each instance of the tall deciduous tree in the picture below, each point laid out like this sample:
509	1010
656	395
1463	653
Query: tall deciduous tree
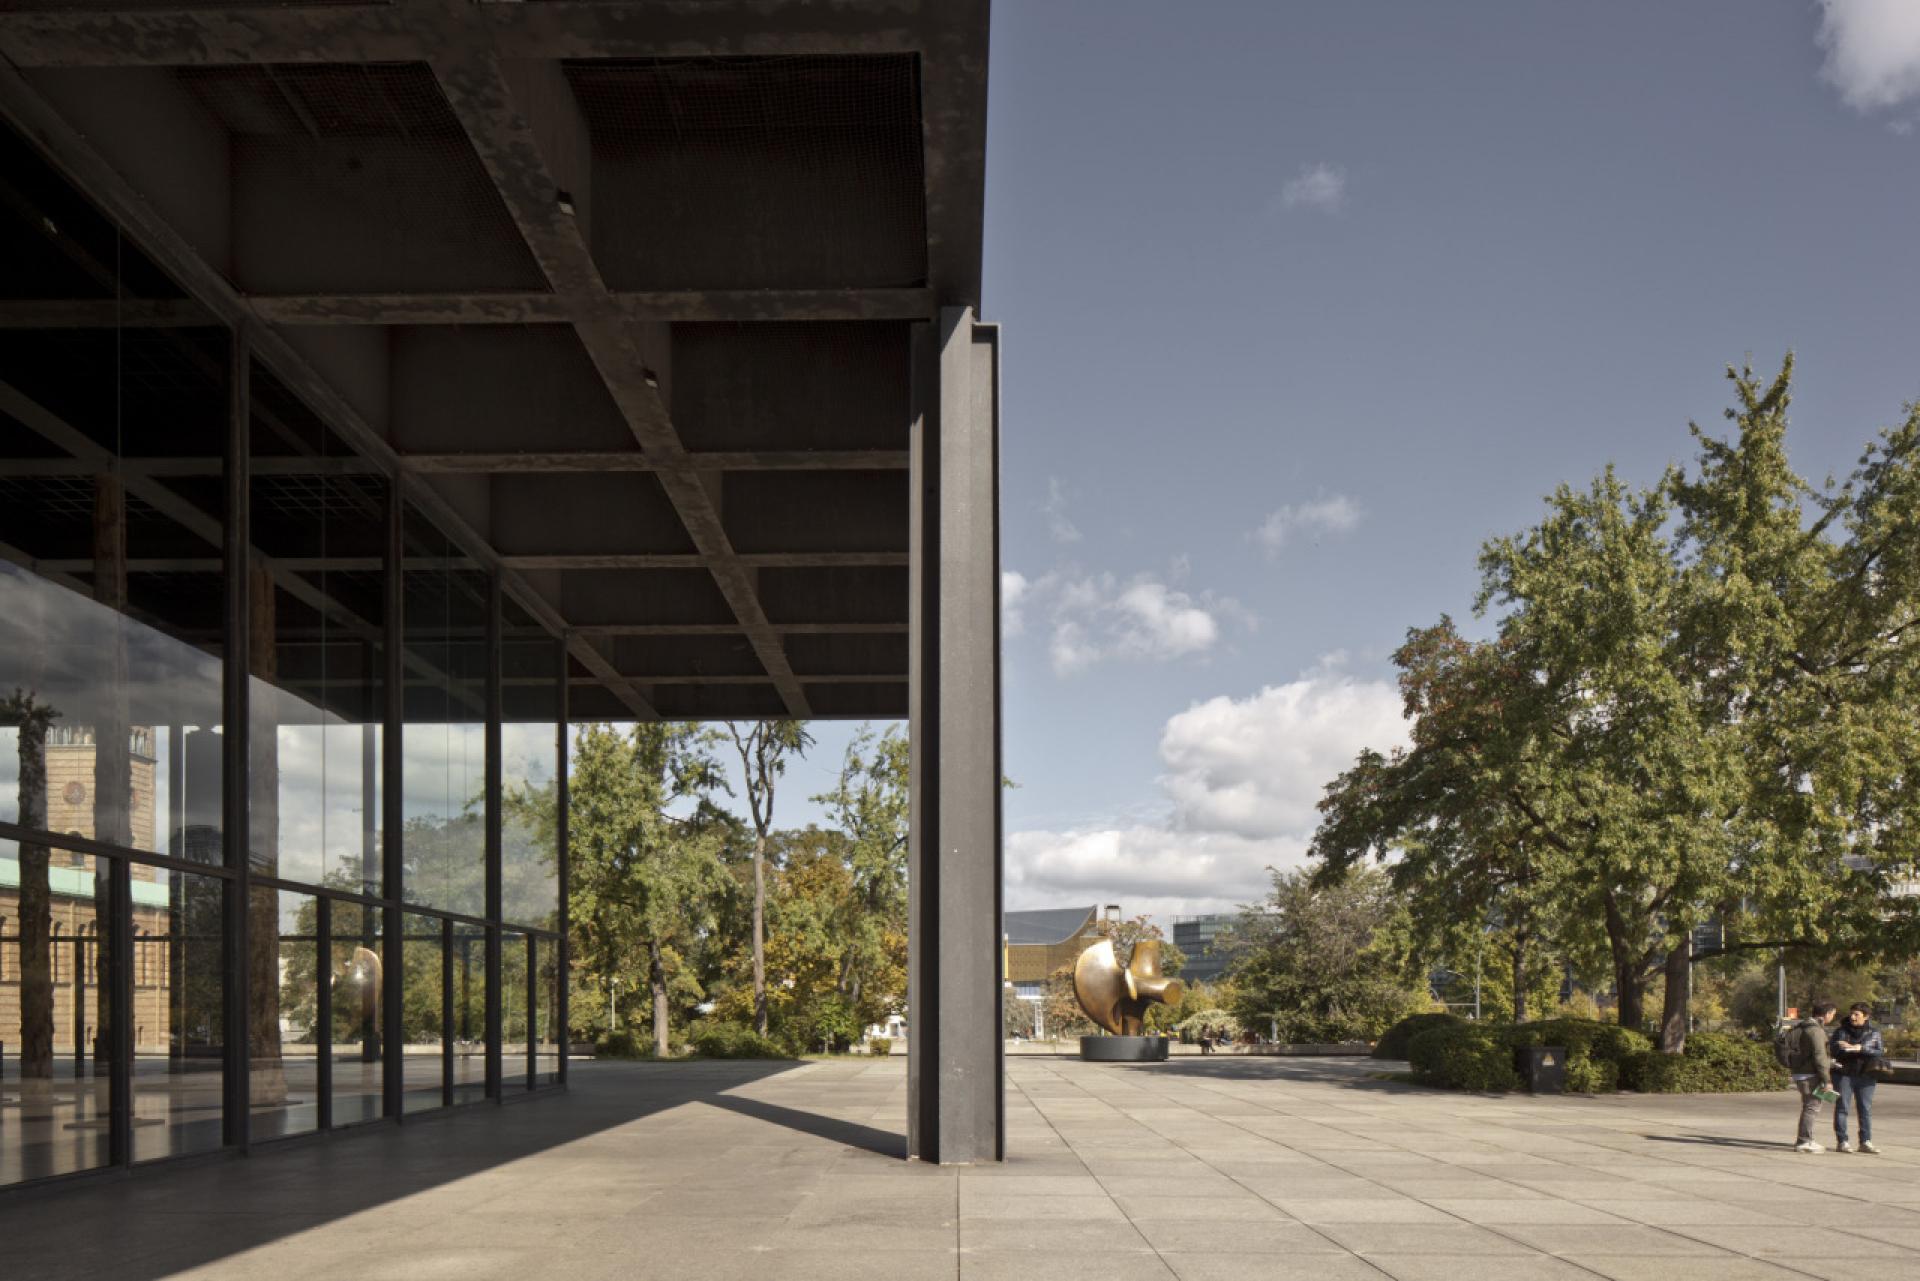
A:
868	806
1699	703
643	878
764	749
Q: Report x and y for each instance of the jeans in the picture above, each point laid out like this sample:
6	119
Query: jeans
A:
1854	1088
1809	1106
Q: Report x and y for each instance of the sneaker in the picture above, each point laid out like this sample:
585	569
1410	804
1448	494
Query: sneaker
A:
1808	1146
1844	1146
1866	1145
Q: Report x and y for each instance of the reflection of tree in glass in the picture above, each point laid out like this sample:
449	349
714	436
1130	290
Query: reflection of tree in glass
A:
31	718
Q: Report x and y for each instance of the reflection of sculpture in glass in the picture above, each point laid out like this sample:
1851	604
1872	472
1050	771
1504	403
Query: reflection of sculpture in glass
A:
1115	996
359	990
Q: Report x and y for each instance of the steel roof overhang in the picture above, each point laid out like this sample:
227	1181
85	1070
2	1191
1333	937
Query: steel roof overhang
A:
619	292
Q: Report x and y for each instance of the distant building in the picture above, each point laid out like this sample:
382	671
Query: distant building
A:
1196	937
1047	939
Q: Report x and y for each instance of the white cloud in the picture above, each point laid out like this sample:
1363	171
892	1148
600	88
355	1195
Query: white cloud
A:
1243	778
1062	529
1320	186
1873	51
1337	514
1098	618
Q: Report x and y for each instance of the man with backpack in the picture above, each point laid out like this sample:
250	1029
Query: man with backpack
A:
1801	1048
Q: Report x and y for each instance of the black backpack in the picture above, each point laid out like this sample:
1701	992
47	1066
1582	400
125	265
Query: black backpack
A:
1789	1046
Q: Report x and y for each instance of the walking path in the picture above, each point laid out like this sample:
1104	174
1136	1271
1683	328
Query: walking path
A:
1194	1169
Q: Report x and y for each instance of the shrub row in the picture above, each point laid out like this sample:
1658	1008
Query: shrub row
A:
732	1041
1396	1040
1601	1057
1714	1063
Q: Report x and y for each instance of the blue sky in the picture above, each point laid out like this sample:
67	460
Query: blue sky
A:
1304	302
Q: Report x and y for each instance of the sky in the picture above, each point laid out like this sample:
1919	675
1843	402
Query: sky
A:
1303	302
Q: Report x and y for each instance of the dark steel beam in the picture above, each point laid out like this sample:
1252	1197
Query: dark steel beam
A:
689	305
506	141
695	560
410	32
635	461
733	629
953	125
104	313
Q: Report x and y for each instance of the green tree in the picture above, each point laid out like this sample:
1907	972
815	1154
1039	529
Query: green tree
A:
764	748
1323	960
868	805
645	873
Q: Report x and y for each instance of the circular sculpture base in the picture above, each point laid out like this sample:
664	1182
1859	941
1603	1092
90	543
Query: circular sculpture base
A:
1123	1049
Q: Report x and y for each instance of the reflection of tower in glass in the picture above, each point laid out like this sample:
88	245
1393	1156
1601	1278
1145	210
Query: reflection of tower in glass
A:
70	782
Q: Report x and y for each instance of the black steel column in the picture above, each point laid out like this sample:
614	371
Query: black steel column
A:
118	980
563	962
956	1103
494	1003
393	814
446	1012
323	1009
533	1010
235	840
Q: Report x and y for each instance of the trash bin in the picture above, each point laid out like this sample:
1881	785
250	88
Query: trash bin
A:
1542	1068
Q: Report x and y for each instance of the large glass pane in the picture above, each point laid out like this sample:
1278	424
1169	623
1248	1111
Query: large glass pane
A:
283	990
515	1025
179	1018
424	1063
316	649
529	765
470	1013
357	1005
53	1093
112	505
547	1029
445	706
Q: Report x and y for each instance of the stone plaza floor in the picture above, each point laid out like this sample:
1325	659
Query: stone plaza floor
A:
1198	1169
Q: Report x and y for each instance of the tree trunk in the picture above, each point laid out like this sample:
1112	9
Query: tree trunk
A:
36	910
1673	1009
1631	989
657	976
1519	978
759	935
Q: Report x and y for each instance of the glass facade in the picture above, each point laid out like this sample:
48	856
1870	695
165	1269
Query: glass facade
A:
252	701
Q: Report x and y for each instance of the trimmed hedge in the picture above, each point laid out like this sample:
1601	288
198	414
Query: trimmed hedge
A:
732	1041
1463	1056
1595	1051
1460	1055
1396	1041
1715	1063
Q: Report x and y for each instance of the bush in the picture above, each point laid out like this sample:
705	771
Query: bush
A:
1396	1040
1902	1042
1715	1063
732	1041
1595	1050
1463	1056
879	1046
622	1045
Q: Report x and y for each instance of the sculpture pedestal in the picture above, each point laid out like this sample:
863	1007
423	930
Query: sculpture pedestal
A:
1123	1049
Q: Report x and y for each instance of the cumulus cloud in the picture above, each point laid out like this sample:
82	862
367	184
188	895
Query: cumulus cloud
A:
1059	527
1098	618
1013	597
1321	186
1242	779
1336	514
1872	51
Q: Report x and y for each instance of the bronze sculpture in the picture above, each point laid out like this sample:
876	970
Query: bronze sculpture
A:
1117	997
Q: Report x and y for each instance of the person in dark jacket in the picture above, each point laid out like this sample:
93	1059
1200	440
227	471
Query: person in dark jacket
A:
1811	1065
1854	1045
